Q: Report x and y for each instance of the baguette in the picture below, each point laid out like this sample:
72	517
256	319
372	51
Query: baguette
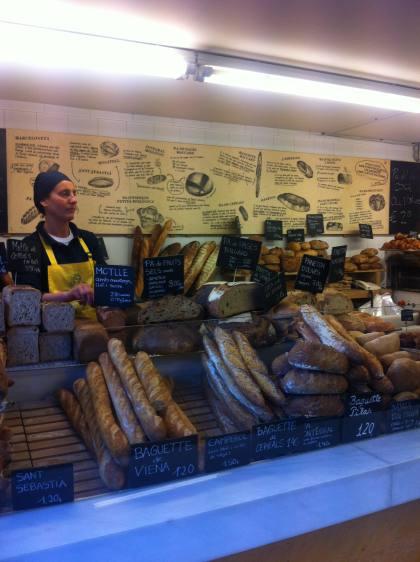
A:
207	270
72	409
152	424
190	250
112	435
280	365
154	235
157	246
171	250
137	238
142	255
111	474
122	405
222	416
230	385
177	422
200	259
358	374
156	390
258	370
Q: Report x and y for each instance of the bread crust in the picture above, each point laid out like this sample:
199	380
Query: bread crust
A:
157	391
177	422
302	381
200	259
74	413
318	357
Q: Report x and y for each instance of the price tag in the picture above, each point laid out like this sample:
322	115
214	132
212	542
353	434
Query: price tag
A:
23	257
312	274
102	246
228	451
43	486
338	258
273	230
318	434
365	231
413	234
163	276
295	235
114	285
238	253
315	224
161	461
407	315
364	418
270	440
274	285
402	416
3	258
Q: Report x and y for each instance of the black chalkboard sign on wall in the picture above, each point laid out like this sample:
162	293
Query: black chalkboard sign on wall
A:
315	224
3	258
163	276
404	200
273	230
365	231
296	235
236	252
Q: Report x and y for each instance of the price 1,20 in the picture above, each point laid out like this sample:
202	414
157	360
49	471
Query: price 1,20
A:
50	499
184	470
365	429
230	462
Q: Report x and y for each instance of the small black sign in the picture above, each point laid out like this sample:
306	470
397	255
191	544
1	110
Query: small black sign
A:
360	404
102	247
114	285
402	416
312	274
163	276
273	230
295	235
321	433
365	231
274	285
228	451
413	234
41	487
364	418
315	224
153	463
270	440
338	258
238	253
407	315
3	258
22	257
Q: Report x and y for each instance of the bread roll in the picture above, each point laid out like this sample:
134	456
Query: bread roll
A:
404	374
319	357
384	344
302	381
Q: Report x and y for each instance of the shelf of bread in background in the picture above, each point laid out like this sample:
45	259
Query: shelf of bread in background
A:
403	243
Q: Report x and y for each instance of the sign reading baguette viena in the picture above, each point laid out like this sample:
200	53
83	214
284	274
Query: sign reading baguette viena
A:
125	182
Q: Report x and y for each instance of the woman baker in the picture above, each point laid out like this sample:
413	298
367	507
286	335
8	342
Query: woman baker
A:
67	254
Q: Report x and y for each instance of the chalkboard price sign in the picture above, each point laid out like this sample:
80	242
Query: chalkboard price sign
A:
407	315
364	417
296	235
404	201
162	461
274	285
114	285
238	253
318	434
270	440
163	276
312	274
315	224
338	258
365	231
402	416
43	486
228	451
273	230
3	258
22	257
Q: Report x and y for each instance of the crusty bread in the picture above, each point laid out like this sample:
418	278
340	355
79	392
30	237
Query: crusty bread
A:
156	389
302	381
318	357
333	302
198	263
166	339
389	343
57	316
228	299
55	346
22	305
22	345
166	309
90	339
404	374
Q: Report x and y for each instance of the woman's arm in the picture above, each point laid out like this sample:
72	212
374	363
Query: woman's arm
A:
82	292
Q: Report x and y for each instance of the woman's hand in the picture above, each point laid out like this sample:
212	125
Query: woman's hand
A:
82	293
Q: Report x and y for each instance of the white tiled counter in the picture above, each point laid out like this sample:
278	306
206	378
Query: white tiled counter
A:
220	514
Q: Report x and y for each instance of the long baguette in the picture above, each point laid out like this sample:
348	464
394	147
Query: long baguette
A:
258	370
207	270
222	416
111	474
72	409
177	422
137	238
230	384
114	438
152	424
154	385
236	366
142	255
189	251
200	259
161	238
122	405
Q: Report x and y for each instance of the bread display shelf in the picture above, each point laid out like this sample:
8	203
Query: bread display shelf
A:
291	273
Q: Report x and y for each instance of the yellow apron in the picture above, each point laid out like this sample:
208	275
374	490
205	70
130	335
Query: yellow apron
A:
63	277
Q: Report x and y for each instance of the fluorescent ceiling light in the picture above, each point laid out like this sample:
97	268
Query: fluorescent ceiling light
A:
47	48
315	89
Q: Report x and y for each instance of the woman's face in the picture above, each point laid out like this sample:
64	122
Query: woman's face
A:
61	202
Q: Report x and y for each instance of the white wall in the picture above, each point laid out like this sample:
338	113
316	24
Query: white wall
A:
43	117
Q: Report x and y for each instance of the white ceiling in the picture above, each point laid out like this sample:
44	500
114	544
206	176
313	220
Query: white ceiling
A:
377	39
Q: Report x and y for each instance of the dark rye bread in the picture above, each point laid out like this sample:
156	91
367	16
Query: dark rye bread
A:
22	305
165	309
168	338
228	299
57	317
90	339
55	346
22	346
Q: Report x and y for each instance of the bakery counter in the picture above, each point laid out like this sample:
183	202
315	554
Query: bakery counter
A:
224	513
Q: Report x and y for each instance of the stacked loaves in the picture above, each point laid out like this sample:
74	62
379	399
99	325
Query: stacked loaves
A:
402	242
5	432
292	256
239	388
122	403
367	259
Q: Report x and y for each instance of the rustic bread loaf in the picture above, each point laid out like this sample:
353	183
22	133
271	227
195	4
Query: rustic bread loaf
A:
318	357
302	381
167	339
22	345
280	365
22	305
57	317
351	322
314	406
228	299
384	344
259	330
90	339
389	358
167	309
333	302
404	374
55	346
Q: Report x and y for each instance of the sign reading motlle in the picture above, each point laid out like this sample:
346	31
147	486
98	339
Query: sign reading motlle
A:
22	257
228	451
365	231
273	230
114	285
338	259
163	276
312	274
43	486
238	253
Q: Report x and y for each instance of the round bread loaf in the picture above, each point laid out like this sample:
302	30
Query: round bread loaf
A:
318	357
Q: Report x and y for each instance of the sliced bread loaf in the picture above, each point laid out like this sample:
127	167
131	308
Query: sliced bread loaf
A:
166	309
57	317
22	346
90	339
55	346
22	305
